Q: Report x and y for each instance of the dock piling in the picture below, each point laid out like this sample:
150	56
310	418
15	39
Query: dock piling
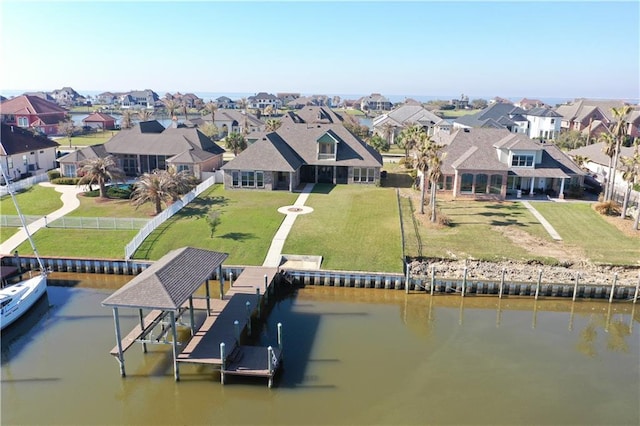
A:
613	287
501	284
575	286
635	295
236	327
258	302
433	278
538	284
464	281
280	338
270	364
248	305
223	358
230	278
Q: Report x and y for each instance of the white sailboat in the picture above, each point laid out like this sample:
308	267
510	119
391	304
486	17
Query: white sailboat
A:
17	299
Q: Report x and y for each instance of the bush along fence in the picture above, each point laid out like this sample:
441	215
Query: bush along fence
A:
152	224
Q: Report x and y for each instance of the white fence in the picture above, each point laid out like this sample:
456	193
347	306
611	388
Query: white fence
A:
106	223
23	184
166	214
14	221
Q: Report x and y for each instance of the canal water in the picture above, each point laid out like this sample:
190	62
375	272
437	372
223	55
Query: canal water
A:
352	357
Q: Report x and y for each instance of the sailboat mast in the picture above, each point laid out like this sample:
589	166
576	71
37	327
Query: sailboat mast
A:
20	215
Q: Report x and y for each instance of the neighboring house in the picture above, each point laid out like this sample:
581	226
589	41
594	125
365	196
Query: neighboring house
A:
462	103
314	100
390	124
598	163
544	123
527	104
139	99
320	150
578	114
375	102
67	96
44	95
285	98
262	100
483	163
149	146
498	115
224	102
106	98
233	121
71	163
100	121
633	124
24	154
191	100
499	100
594	130
32	112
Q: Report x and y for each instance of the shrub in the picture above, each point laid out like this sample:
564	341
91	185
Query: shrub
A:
66	181
608	208
53	174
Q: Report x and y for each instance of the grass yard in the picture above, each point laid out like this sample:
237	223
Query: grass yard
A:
248	222
578	224
36	201
481	230
86	140
79	243
353	227
95	207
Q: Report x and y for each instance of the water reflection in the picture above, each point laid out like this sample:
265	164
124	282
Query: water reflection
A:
352	356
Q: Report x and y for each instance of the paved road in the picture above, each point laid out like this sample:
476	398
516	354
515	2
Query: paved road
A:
70	202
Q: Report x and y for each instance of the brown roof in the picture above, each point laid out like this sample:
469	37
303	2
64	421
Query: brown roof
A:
98	117
170	281
16	140
27	104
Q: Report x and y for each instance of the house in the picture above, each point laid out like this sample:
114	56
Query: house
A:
106	98
487	163
597	162
390	124
633	124
191	100
498	115
578	114
71	163
314	100
23	153
44	95
499	100
318	149
527	104
375	102
67	96
233	121
139	99
262	100
149	146
32	112
594	130
287	97
224	102
544	123
100	121
462	103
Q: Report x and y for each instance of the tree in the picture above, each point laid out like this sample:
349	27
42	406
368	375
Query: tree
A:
236	143
608	149
581	160
243	103
379	143
154	187
631	175
100	171
127	119
353	125
388	130
479	103
570	139
273	124
171	107
213	220
620	132
181	181
421	164
211	108
67	128
409	138
185	110
210	130
144	115
268	111
435	172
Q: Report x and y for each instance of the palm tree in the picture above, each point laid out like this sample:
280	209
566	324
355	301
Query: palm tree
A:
435	171
388	130
631	175
185	110
421	163
100	171
409	138
171	106
243	103
620	132
144	115
581	160
154	187
268	111
236	143
609	149
181	181
211	108
273	124
127	119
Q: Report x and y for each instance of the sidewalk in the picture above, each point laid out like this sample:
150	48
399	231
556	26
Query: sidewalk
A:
547	226
274	255
70	202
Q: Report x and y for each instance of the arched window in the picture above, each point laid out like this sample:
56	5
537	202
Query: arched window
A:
481	183
466	183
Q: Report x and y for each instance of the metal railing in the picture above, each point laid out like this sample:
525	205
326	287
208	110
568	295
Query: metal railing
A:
14	220
152	224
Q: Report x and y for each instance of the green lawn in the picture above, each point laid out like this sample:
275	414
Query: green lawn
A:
95	207
353	227
36	201
578	224
455	113
248	222
474	231
86	140
79	243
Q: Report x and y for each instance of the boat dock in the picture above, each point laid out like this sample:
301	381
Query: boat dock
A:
166	291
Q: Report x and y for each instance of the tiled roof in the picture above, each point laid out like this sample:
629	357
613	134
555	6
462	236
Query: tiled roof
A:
169	282
16	140
27	104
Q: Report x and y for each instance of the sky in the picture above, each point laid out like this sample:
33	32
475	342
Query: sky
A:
542	49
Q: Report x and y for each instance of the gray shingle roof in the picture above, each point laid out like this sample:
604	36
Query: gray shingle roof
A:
594	153
86	153
168	283
269	153
495	112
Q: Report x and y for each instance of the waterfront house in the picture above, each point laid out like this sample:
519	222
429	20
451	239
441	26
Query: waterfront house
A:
149	146
232	121
33	112
24	153
311	146
486	163
390	124
375	102
262	100
578	114
100	121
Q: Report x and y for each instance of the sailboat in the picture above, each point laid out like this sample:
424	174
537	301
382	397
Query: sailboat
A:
17	299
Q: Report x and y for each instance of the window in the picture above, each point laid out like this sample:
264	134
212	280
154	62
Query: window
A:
496	184
9	162
363	174
70	170
326	151
235	179
23	122
183	168
448	183
481	184
553	121
522	161
466	183
260	179
248	179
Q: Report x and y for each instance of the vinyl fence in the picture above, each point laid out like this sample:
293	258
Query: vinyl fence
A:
152	224
23	184
113	223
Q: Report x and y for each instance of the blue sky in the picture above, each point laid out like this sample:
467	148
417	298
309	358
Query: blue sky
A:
545	49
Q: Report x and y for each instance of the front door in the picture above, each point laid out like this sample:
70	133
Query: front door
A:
325	174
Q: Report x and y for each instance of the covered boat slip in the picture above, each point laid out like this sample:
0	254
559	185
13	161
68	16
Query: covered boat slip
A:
166	289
